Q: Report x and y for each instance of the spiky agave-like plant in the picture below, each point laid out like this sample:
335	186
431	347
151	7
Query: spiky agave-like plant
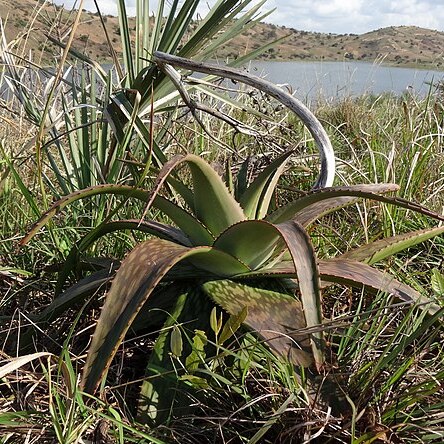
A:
229	250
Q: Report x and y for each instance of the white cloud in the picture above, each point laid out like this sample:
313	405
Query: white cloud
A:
106	6
336	16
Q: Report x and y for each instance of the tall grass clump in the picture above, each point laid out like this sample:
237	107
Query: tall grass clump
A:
190	275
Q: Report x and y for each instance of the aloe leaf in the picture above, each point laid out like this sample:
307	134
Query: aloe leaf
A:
256	199
305	261
214	206
357	274
158	229
218	263
350	273
197	233
242	179
276	317
292	209
251	241
184	192
192	227
160	304
141	271
381	249
313	212
135	280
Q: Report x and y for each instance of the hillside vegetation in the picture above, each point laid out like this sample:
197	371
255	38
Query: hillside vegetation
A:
402	45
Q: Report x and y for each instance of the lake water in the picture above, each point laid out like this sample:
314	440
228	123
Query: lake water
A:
311	81
332	80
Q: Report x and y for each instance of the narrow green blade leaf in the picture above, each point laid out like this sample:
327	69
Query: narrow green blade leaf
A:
23	188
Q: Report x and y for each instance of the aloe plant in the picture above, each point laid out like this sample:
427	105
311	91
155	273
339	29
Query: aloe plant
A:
232	251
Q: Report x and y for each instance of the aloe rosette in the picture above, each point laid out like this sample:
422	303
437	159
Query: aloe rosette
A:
227	248
232	249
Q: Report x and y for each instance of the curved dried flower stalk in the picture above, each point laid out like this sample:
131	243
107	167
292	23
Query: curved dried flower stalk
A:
327	171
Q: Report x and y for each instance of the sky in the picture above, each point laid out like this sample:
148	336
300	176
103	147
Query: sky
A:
335	16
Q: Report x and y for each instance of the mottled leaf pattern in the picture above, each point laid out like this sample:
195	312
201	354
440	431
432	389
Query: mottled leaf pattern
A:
354	274
304	259
276	317
137	277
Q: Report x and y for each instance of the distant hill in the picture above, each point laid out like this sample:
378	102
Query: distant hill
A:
402	45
